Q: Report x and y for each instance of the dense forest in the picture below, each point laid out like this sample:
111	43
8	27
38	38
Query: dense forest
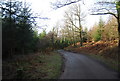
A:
19	36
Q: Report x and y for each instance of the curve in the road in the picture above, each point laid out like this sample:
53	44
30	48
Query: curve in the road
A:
79	66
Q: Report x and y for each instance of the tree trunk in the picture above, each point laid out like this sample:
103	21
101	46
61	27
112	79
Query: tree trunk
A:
119	35
80	38
80	31
74	40
118	20
74	43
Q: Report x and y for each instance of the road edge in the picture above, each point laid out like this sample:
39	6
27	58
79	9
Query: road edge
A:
63	64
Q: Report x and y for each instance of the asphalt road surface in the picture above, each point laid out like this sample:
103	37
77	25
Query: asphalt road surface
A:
79	66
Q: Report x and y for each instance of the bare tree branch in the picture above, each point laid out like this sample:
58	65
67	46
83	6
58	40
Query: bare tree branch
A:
105	14
44	18
60	4
71	20
103	9
106	2
115	5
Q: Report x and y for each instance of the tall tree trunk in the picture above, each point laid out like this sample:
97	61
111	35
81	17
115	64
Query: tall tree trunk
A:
118	20
119	45
74	40
80	38
119	34
119	50
80	29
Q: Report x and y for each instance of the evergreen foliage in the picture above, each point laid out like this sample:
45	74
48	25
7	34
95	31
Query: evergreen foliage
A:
17	34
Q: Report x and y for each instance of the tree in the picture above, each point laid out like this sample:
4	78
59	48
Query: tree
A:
10	10
107	7
42	34
94	34
69	28
75	17
17	30
85	35
97	35
100	29
110	32
112	8
104	31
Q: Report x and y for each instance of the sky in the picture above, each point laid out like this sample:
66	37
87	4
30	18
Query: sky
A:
44	9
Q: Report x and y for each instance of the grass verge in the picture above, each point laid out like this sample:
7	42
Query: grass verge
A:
52	66
113	64
33	66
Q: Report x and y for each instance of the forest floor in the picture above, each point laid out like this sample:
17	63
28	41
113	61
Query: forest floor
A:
104	51
33	66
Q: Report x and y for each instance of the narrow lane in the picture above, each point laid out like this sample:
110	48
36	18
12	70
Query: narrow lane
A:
79	66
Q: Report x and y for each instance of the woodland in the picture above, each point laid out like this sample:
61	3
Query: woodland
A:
23	47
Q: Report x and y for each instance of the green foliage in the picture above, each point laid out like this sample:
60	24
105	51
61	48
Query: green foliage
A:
99	31
42	35
85	36
52	66
17	33
97	35
62	43
118	5
101	23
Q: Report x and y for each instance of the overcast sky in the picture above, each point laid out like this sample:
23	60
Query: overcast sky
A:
44	8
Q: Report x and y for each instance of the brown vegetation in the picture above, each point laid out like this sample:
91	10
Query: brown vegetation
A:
99	47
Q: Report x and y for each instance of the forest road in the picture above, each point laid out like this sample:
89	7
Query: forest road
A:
80	66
